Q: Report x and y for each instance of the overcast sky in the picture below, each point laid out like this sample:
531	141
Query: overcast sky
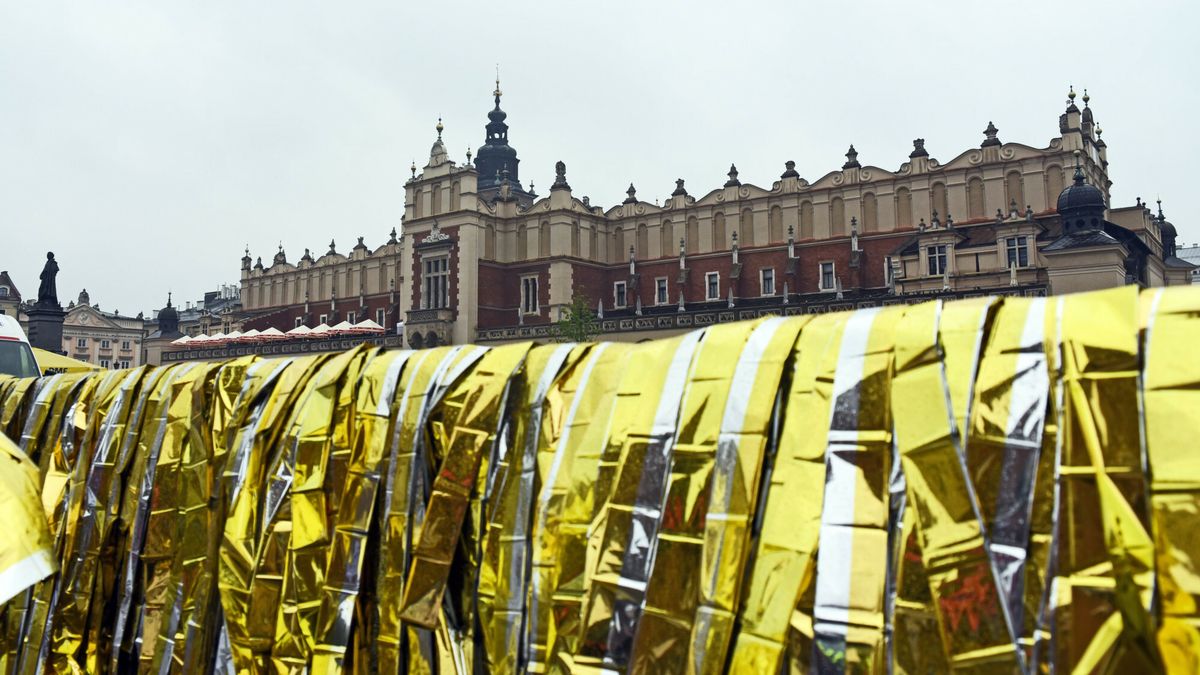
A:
146	143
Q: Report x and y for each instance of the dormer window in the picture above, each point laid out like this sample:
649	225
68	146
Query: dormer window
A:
1017	249
937	260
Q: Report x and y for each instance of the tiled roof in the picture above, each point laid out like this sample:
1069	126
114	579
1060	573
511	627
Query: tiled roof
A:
13	293
1081	240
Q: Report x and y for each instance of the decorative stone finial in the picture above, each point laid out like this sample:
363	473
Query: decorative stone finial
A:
918	149
733	177
332	248
679	191
439	128
468	155
1071	93
560	177
990	133
632	195
1086	98
790	170
413	168
851	159
392	237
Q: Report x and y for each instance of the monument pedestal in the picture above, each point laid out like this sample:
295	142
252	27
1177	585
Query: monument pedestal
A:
46	328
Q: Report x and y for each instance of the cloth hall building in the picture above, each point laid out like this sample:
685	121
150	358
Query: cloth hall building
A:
483	259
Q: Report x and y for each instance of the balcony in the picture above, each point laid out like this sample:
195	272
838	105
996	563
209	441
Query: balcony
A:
429	327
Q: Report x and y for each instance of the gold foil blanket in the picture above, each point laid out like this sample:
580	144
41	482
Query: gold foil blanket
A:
989	485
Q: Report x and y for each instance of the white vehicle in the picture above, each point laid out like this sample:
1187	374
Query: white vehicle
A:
16	356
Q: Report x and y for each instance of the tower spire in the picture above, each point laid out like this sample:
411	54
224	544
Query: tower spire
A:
496	153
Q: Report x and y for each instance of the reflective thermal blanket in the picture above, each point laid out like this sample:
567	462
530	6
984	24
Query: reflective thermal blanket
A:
986	485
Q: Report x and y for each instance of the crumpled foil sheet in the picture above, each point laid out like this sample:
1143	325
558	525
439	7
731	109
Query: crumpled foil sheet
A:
989	485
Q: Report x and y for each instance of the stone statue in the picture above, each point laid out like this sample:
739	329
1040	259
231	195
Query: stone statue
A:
560	177
48	291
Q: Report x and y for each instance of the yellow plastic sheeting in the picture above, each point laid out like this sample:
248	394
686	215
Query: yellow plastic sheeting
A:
992	485
50	362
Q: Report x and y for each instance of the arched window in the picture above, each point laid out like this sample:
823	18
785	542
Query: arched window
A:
746	228
692	242
837	217
435	195
522	243
617	254
416	341
806	220
454	201
489	241
870	213
643	241
575	239
720	241
418	203
937	199
1054	183
1014	191
775	225
431	339
975	206
904	208
544	240
666	239
594	251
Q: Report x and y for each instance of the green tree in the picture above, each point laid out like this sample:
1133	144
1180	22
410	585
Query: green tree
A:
578	322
